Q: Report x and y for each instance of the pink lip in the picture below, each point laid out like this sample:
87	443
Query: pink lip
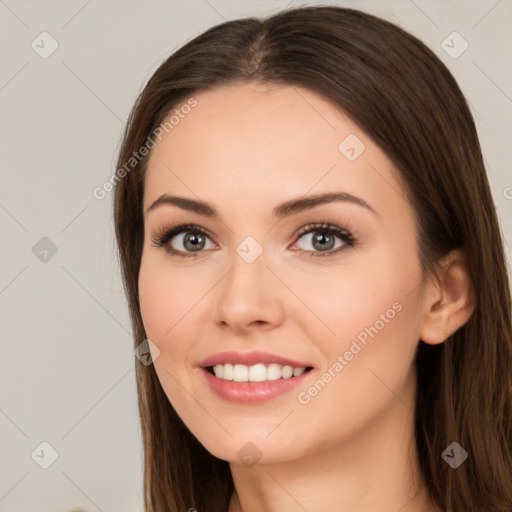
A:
251	358
251	392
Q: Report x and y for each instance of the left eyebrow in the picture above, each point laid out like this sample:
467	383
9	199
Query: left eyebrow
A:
304	203
285	209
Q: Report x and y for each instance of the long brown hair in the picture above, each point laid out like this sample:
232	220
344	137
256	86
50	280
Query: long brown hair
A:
406	100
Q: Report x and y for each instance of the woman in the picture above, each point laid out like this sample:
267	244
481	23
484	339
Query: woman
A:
312	256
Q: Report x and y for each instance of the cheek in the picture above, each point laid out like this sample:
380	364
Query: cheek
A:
166	303
155	300
370	356
367	315
165	296
339	303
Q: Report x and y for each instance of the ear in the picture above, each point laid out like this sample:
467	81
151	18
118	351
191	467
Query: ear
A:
448	300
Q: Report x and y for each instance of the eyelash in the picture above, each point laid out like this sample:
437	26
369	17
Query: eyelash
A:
163	236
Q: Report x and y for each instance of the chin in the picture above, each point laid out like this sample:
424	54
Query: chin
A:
250	448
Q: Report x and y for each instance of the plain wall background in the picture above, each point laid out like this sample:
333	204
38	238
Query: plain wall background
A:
67	366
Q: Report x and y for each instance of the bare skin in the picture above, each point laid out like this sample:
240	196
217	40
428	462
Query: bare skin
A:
350	446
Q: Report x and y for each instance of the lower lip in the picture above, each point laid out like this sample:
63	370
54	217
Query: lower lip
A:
252	392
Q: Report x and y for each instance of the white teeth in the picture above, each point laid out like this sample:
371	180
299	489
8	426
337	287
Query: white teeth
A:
255	373
298	371
274	371
219	371
227	372
286	372
240	373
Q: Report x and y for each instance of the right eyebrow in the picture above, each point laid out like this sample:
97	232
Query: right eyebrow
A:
186	204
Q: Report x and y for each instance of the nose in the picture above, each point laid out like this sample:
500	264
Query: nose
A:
249	297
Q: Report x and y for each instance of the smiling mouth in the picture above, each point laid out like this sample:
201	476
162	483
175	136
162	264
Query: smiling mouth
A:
256	373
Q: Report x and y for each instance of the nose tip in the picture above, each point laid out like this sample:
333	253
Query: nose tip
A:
246	298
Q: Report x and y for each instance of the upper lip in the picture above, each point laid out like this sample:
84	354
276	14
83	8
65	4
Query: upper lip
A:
251	358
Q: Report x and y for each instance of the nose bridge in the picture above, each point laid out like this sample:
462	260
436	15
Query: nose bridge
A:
247	293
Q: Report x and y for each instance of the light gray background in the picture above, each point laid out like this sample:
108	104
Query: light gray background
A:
67	367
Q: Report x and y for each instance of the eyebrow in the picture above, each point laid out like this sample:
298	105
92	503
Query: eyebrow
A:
285	209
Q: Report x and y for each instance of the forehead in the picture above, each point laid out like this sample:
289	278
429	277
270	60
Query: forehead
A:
259	141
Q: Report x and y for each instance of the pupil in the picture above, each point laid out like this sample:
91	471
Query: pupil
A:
321	239
194	242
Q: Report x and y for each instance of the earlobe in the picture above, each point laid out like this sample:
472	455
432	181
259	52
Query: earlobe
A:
448	301
435	325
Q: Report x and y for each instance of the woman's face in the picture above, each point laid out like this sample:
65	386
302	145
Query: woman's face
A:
271	281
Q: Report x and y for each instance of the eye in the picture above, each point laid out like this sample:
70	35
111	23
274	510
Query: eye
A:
186	240
189	240
325	239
